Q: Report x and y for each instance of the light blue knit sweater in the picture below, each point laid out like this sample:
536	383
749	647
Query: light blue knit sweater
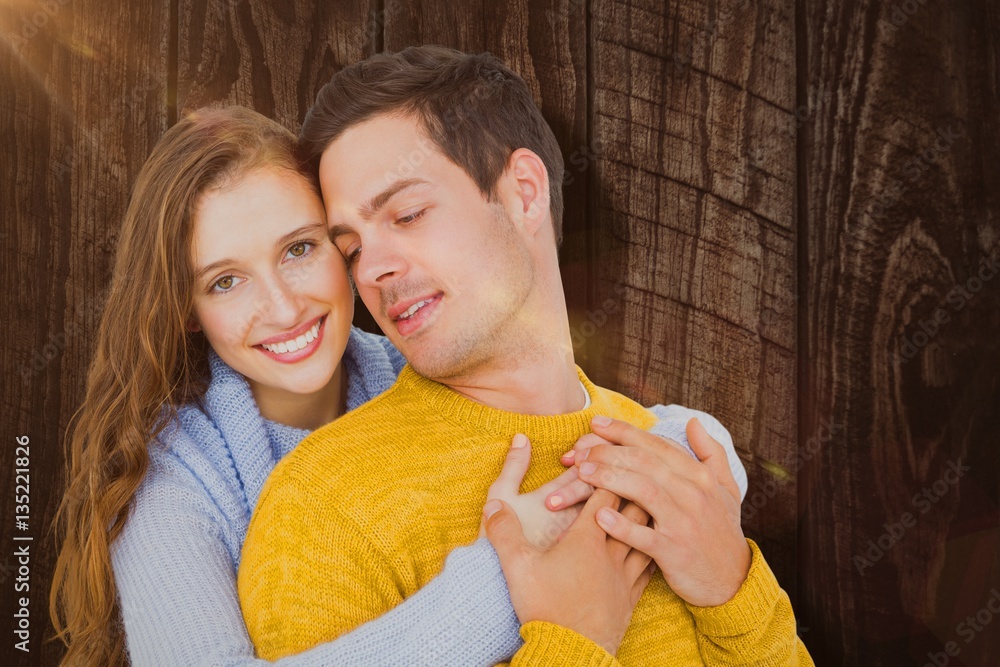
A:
175	562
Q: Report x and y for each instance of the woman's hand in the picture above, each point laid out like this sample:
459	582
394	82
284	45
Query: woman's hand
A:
542	526
587	582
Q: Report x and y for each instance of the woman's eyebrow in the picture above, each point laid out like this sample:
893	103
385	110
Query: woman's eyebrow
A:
305	230
212	267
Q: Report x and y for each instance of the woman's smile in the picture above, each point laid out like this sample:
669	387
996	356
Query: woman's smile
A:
295	345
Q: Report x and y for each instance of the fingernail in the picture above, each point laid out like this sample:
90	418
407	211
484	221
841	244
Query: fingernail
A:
569	455
606	518
601	420
555	501
491	508
588	468
520	440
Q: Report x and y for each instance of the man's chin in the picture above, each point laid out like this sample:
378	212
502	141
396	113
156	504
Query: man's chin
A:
420	360
420	343
441	355
433	364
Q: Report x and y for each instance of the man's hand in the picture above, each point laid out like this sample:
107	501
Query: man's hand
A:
696	538
588	582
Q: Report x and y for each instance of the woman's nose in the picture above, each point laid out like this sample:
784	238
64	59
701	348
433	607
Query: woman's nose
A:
283	305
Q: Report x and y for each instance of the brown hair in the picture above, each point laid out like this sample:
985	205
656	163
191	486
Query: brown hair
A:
473	107
146	363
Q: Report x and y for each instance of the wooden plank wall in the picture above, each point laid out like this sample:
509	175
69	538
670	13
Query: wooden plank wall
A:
696	192
84	98
767	205
899	332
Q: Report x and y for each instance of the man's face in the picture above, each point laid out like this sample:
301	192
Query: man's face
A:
444	271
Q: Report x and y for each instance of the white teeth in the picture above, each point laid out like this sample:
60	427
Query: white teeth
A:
294	344
414	308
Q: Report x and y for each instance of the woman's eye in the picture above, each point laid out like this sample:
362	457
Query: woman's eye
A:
224	284
299	249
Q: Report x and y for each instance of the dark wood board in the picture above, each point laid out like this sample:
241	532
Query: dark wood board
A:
898	187
85	98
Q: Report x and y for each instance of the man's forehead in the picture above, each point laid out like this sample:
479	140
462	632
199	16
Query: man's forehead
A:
356	166
387	137
372	162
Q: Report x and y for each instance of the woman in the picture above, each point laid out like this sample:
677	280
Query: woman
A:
219	348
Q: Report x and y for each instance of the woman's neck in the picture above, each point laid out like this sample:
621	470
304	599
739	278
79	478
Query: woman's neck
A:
305	411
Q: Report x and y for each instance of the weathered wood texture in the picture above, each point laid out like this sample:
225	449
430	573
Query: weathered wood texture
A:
899	193
734	242
693	107
272	57
84	100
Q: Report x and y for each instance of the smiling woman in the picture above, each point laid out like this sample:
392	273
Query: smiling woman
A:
279	297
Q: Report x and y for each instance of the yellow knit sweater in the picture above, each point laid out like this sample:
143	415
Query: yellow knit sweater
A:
364	511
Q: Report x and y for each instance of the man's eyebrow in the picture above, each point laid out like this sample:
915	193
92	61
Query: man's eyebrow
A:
375	204
338	230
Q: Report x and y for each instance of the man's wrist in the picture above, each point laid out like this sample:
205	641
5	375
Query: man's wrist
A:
742	570
753	602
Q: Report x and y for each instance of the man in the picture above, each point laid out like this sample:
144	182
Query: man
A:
436	168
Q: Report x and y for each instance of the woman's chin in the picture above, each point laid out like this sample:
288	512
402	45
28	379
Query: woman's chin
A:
300	380
302	384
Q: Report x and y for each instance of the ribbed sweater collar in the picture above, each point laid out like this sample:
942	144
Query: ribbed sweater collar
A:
451	405
227	427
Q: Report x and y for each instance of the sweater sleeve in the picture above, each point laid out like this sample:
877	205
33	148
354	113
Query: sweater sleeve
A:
311	571
672	424
756	627
177	588
550	645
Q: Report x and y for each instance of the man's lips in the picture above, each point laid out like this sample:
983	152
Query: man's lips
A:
401	307
420	314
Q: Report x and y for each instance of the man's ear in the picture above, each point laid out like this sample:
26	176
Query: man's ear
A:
530	181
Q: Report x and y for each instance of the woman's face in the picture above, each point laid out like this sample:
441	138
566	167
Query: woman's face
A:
271	291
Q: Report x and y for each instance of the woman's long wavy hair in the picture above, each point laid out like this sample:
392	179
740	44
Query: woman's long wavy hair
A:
147	363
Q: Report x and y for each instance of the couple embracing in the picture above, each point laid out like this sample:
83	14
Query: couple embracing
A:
255	480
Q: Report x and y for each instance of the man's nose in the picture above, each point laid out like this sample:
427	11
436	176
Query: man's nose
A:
380	262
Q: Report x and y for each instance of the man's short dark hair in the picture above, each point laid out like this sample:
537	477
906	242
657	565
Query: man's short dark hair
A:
473	107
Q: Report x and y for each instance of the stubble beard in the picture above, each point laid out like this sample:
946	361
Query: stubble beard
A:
489	334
